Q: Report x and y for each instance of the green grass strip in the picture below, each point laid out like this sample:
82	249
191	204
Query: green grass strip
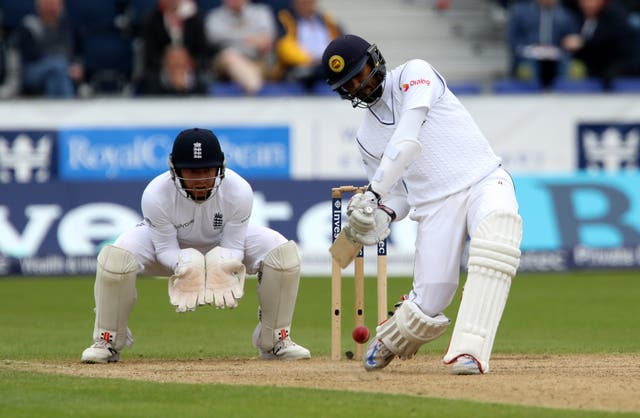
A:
27	394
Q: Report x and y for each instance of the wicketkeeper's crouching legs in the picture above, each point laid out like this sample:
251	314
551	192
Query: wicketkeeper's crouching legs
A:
115	295
494	256
279	278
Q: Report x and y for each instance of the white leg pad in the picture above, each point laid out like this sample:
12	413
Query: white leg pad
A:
115	295
409	328
494	257
277	292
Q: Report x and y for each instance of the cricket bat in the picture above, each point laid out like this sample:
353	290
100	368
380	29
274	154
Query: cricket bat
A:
343	250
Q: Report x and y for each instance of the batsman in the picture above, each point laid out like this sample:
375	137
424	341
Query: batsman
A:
196	232
425	156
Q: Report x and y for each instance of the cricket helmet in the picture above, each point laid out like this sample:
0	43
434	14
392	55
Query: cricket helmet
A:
196	148
344	58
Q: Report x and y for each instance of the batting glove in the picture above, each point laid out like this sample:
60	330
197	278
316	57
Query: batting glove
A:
360	211
376	230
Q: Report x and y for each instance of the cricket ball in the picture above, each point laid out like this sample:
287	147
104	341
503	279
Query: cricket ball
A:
360	334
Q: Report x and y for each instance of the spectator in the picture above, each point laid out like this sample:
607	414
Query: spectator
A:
174	22
606	43
245	34
49	52
9	70
535	31
178	76
304	34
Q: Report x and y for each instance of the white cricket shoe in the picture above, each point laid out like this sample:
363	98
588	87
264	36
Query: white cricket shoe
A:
286	350
283	349
465	365
100	352
377	356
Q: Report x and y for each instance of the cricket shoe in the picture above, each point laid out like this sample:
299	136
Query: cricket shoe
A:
377	356
465	365
100	352
285	350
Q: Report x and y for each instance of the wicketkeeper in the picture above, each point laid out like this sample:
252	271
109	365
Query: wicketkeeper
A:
424	154
196	231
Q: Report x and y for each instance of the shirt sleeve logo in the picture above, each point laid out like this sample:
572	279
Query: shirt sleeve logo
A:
420	81
336	63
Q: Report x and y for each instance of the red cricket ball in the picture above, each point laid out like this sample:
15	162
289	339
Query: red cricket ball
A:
360	334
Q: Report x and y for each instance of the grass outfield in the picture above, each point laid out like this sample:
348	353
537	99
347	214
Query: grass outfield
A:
52	320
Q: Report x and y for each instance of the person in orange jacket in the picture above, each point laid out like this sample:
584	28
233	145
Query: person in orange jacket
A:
304	33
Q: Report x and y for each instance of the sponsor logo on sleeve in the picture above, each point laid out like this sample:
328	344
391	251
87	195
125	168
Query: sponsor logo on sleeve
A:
417	82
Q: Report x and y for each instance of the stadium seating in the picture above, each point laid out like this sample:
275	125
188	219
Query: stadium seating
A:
626	85
276	5
206	5
138	10
108	59
13	11
588	85
270	89
93	16
322	89
511	86
465	87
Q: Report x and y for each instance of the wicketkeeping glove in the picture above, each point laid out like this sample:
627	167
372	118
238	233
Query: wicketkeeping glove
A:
186	285
225	279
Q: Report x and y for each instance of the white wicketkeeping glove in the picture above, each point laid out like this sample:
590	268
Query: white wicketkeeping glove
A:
225	279
186	285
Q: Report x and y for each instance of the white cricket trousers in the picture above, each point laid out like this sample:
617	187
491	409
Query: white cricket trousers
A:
259	241
443	228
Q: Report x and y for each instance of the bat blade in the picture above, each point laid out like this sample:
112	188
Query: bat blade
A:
343	250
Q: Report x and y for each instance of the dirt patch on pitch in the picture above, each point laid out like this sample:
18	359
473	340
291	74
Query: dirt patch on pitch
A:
587	382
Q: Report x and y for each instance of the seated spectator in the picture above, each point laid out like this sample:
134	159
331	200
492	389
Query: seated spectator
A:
174	22
50	62
606	43
245	34
178	76
535	31
9	70
304	34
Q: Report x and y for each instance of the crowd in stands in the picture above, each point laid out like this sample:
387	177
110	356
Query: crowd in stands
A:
551	40
81	48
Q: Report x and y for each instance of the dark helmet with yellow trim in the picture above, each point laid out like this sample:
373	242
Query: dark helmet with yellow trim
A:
344	58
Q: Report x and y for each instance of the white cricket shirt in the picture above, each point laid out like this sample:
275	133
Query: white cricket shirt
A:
177	222
455	154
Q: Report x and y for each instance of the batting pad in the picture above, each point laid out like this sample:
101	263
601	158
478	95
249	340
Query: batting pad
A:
494	256
115	294
409	328
277	293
